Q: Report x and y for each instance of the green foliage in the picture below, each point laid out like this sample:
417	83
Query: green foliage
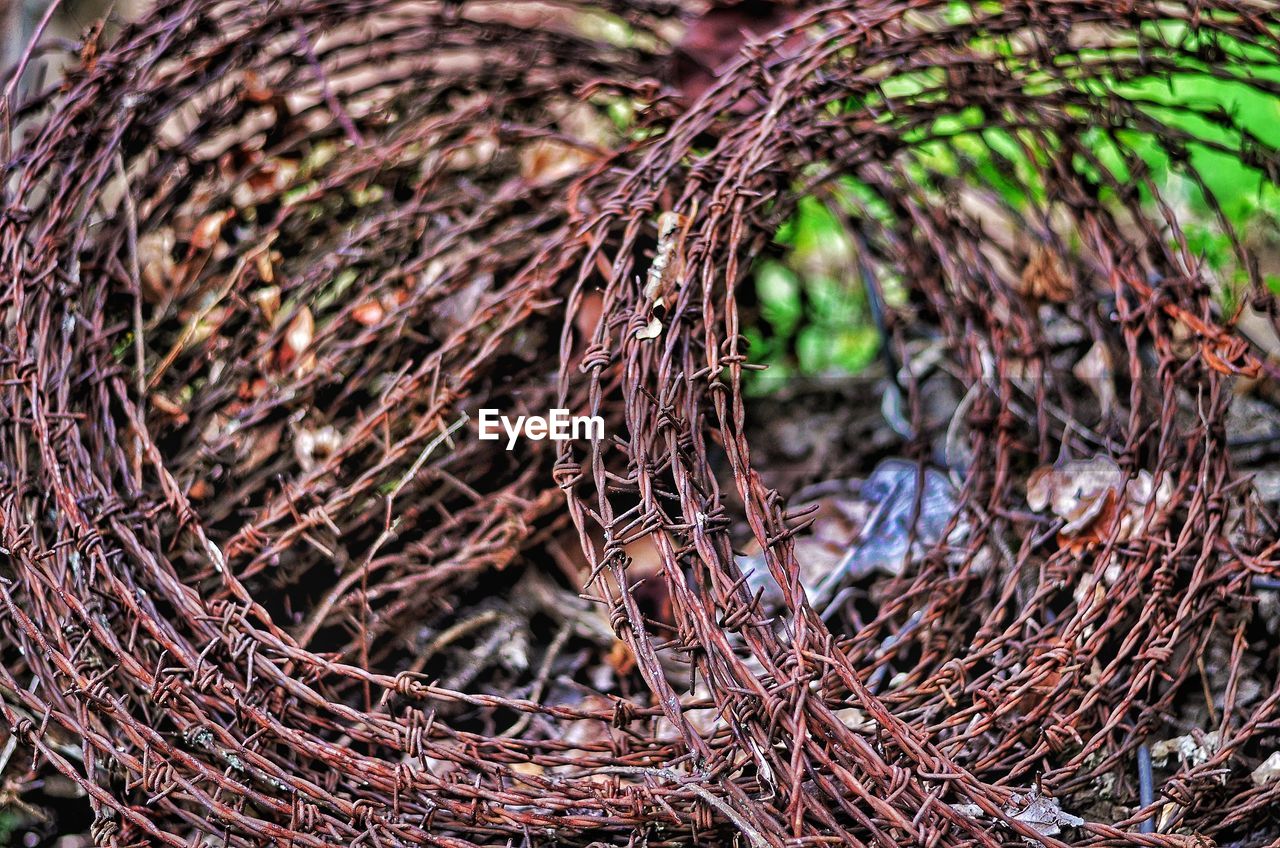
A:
814	314
1204	163
9	822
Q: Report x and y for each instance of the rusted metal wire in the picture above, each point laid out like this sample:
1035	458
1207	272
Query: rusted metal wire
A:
263	263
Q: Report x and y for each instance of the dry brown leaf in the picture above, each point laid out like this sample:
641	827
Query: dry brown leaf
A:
265	261
264	183
460	306
368	314
548	160
297	338
1095	497
261	445
478	150
1095	369
587	316
209	229
168	407
156	264
649	331
1044	277
621	658
528	769
267	299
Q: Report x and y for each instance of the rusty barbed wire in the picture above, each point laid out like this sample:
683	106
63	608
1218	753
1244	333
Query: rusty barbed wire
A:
262	583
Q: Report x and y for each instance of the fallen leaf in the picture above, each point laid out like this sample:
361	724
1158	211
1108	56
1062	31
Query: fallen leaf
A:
1041	812
269	180
620	658
861	527
1044	277
1095	370
297	338
528	769
1187	749
168	407
893	490
267	299
209	229
649	331
548	160
311	447
265	263
367	314
590	308
155	262
1095	498
1268	771
460	305
478	150
260	446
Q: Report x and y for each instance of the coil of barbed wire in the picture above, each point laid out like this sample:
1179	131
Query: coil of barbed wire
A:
264	584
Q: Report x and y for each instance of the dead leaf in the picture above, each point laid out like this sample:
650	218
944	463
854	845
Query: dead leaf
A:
478	150
261	445
1042	813
156	264
860	527
1095	498
312	447
590	308
297	338
1187	749
1044	277
527	769
548	160
664	274
461	305
265	261
267	299
621	658
209	229
266	182
649	331
168	407
1268	771
254	90
367	314
1095	369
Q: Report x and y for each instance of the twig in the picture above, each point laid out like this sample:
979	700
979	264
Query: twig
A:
690	781
426	453
135	274
20	69
330	99
540	682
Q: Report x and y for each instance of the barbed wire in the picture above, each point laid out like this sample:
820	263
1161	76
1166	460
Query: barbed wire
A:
262	263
